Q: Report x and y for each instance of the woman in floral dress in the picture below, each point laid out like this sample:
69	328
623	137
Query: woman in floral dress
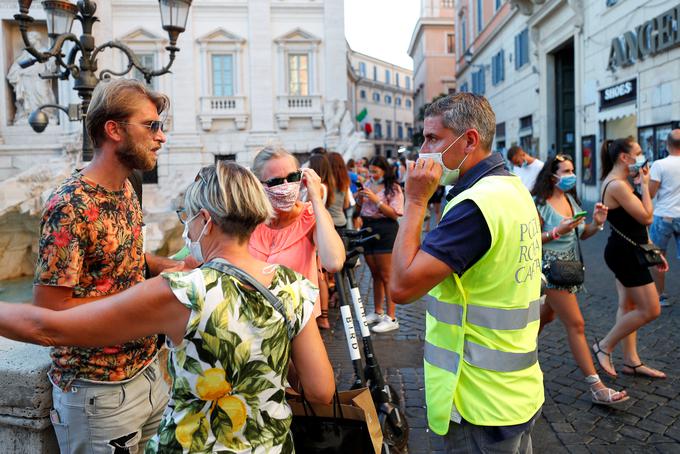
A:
230	348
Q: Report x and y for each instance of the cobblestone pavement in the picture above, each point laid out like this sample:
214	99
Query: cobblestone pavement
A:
648	422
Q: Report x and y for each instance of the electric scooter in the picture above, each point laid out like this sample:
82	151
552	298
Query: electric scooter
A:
392	420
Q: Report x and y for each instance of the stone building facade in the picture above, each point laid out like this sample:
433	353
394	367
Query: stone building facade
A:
564	75
433	51
383	102
248	73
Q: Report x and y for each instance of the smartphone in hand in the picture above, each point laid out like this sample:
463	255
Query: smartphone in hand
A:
579	215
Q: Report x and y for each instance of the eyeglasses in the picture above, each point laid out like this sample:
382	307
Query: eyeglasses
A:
292	177
154	126
182	215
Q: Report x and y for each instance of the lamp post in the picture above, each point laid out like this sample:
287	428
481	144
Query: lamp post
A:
60	16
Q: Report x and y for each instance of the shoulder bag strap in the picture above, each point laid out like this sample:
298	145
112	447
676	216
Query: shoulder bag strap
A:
231	270
605	188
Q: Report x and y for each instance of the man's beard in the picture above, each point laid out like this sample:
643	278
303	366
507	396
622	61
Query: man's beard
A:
135	156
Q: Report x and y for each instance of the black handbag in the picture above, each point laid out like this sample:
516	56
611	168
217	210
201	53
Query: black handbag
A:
647	254
567	273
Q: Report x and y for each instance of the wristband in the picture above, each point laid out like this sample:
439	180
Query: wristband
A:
555	234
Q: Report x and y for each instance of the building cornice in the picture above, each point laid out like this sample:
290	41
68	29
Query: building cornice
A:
377	85
382	62
422	22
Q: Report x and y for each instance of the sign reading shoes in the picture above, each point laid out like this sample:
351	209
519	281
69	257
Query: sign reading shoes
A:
657	35
618	94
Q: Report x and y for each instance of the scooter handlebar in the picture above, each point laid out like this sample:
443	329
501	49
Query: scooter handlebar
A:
360	241
356	233
353	253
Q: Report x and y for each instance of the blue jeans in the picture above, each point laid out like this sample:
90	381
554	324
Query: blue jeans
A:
94	418
661	231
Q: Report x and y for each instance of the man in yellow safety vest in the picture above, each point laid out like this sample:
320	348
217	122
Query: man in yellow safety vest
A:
482	266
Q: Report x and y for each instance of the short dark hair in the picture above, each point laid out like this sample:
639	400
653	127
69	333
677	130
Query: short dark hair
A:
318	150
513	151
673	140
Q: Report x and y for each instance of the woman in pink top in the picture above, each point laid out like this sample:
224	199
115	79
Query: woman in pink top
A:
298	230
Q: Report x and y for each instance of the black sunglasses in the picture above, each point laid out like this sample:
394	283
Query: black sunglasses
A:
154	126
292	177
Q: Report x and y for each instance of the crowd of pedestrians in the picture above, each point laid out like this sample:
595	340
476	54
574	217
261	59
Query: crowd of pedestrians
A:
241	314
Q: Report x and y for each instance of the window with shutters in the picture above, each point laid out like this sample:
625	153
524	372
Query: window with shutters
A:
498	68
522	49
478	82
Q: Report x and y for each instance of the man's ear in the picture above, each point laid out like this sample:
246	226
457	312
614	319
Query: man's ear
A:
114	131
471	140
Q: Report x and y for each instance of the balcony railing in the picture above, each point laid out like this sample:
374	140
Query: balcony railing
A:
223	108
289	106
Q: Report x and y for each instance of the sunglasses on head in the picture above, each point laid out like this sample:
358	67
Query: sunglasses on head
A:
153	126
562	157
292	177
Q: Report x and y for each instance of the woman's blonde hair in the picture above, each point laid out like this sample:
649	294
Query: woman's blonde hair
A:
268	153
232	195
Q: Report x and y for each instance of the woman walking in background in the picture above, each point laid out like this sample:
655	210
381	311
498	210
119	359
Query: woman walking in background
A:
380	203
630	212
557	203
342	193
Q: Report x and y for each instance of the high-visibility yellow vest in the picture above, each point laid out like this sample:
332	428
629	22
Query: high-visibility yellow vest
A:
481	332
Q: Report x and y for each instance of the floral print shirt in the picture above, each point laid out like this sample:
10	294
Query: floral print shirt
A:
229	373
91	241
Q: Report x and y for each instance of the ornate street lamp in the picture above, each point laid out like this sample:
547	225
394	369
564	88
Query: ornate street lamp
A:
60	15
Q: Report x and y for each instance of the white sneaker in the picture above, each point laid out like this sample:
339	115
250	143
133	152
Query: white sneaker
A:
374	317
386	325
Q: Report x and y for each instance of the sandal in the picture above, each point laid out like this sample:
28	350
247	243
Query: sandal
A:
643	374
605	396
322	320
597	350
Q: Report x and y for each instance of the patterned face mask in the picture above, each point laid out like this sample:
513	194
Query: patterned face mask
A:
283	196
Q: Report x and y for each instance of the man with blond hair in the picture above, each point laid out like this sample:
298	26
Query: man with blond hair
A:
105	399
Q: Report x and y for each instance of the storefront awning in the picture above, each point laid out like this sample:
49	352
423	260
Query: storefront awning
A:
614	113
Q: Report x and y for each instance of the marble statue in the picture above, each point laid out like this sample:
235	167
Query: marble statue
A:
30	91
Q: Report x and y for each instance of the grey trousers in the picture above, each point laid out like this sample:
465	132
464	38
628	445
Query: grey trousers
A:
94	418
467	438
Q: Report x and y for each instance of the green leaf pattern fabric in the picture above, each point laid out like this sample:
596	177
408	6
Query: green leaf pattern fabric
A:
229	373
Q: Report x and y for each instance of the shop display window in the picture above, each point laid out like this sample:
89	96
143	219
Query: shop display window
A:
652	139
